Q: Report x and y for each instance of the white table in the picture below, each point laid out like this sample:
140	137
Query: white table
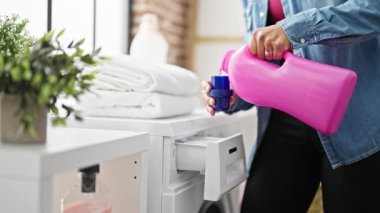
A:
26	171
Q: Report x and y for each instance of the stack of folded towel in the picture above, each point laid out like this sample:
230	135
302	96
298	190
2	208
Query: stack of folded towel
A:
126	87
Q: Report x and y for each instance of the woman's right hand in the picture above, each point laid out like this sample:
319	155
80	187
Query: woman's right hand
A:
209	101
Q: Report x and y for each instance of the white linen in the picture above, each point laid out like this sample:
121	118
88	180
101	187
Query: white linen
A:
124	73
136	104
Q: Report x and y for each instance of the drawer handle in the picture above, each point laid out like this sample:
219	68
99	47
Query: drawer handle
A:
232	150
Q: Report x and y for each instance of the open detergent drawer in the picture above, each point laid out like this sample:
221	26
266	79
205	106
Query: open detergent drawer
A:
220	160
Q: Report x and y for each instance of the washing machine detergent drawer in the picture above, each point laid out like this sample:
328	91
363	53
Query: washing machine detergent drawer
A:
220	160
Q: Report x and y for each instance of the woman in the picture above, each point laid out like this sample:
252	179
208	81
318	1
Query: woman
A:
292	159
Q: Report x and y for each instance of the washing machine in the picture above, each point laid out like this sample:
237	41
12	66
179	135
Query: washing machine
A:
194	160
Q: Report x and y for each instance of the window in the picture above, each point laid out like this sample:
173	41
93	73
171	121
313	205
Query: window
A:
77	18
102	23
112	25
37	16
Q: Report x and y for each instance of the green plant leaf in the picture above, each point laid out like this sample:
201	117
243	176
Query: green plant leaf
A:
27	75
88	59
59	121
41	71
104	58
68	109
90	76
79	43
54	109
48	36
60	33
1	63
71	44
52	79
37	79
15	73
78	117
43	97
97	51
32	131
14	38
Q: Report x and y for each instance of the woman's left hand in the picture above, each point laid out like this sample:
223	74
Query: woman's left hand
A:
269	42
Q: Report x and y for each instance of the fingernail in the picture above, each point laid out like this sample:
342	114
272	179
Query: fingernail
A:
211	101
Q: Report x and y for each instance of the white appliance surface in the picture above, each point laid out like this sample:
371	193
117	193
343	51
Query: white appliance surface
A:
171	190
193	123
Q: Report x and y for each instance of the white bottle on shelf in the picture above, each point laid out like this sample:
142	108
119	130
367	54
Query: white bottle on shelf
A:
89	195
149	44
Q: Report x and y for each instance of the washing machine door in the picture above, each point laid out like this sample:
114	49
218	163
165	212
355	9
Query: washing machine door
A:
224	205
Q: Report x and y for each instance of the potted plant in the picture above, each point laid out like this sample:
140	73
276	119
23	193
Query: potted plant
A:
33	76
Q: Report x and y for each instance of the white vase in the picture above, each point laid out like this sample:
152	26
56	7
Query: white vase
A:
10	122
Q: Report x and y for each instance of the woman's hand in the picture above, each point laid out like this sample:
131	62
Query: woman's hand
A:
209	101
269	42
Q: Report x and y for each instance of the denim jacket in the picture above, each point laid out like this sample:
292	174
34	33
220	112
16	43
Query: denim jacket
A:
343	33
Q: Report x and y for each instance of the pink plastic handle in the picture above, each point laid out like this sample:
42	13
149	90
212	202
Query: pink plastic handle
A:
287	54
225	61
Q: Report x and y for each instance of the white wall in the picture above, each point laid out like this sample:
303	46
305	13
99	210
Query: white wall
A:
219	27
220	18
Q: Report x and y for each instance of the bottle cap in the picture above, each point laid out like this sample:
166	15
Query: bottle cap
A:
220	82
90	170
149	21
89	178
220	92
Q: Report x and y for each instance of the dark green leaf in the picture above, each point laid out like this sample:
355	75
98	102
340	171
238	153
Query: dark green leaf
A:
78	118
54	110
71	44
88	59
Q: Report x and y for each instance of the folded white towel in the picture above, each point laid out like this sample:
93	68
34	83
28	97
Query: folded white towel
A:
124	73
136	105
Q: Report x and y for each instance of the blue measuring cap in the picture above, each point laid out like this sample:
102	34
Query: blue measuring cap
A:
221	92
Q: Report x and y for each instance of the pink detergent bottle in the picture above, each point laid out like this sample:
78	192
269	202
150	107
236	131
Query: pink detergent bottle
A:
315	93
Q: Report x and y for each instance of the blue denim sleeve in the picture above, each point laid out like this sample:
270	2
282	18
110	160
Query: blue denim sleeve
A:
239	105
352	21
